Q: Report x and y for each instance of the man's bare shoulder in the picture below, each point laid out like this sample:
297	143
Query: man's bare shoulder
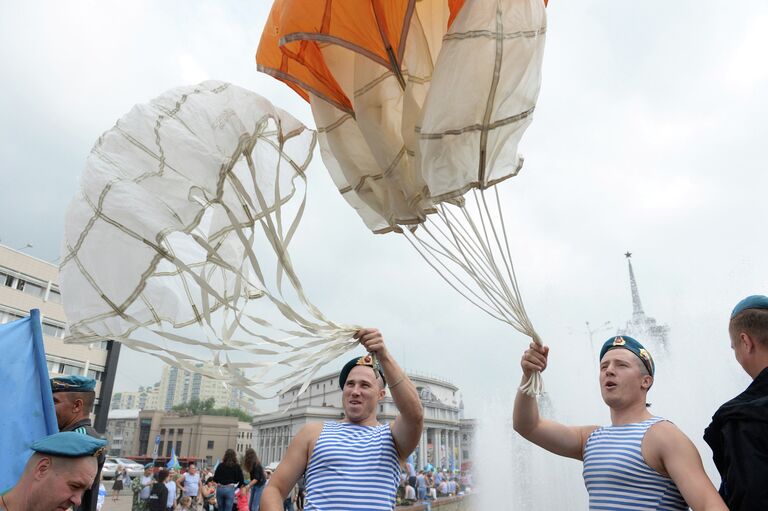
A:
664	433
310	431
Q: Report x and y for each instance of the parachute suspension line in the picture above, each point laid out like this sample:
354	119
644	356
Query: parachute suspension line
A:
470	250
456	281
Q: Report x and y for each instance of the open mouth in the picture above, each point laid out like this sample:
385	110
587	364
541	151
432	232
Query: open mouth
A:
610	385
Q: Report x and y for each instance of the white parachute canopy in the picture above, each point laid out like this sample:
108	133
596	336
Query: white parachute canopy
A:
176	243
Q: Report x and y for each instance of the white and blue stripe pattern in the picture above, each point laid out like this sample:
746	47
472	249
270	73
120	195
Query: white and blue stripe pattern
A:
353	467
617	476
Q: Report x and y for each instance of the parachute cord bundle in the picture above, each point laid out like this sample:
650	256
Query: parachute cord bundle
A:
464	244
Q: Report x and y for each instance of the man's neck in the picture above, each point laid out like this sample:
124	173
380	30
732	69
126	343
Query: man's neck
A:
15	499
74	423
758	366
630	414
369	421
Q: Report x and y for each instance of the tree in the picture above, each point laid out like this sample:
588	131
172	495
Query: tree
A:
196	407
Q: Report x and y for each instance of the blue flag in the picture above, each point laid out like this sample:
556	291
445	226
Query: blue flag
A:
174	461
26	412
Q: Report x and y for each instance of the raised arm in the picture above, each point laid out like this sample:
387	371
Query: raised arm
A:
679	459
555	437
293	464
407	427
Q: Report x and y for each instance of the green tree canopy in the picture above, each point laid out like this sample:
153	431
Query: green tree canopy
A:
196	407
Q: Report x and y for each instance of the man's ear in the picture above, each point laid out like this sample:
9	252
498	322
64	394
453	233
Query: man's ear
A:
647	382
43	468
77	405
748	342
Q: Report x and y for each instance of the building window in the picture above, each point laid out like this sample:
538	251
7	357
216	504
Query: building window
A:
54	296
168	449
162	431
96	375
70	370
171	431
178	447
160	447
53	330
6	317
20	284
34	290
180	431
210	444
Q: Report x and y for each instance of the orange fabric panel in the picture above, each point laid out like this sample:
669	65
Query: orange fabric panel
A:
290	43
454	6
303	69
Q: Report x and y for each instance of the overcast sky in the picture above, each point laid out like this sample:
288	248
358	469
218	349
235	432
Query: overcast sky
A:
649	136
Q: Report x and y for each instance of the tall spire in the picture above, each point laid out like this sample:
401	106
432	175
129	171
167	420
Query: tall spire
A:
637	306
642	326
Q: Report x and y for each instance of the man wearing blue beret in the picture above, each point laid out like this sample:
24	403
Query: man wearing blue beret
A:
639	461
73	398
61	469
738	434
354	463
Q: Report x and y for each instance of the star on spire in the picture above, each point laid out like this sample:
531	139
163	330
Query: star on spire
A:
628	255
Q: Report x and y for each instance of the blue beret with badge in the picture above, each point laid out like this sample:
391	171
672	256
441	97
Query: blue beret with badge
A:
750	302
633	345
69	444
368	361
72	383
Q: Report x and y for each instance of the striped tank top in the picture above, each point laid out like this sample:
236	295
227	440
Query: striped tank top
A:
353	467
617	476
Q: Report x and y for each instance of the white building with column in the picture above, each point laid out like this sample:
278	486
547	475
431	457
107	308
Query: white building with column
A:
440	441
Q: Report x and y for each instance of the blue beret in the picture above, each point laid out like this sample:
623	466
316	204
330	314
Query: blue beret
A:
69	445
72	384
367	360
750	302
628	343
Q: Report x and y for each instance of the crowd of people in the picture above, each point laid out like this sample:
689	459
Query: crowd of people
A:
428	485
639	461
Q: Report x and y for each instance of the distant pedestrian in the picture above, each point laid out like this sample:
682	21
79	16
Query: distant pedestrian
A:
209	495
117	485
421	485
228	477
189	483
141	487
102	495
158	494
185	503
170	484
257	478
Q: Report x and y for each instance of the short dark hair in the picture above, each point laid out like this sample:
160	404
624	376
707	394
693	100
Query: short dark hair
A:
88	397
162	475
753	322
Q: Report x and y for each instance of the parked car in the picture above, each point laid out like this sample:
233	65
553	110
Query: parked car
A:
110	466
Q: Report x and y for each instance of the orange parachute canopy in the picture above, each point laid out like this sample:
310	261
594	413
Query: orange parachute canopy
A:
290	44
